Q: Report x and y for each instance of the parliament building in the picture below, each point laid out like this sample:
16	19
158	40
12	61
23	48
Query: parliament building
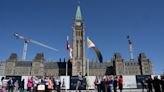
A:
39	66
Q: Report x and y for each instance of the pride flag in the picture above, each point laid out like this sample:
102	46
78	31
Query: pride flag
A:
97	52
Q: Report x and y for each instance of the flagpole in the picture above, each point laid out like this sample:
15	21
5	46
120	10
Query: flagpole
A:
68	48
88	66
84	56
87	59
66	68
66	73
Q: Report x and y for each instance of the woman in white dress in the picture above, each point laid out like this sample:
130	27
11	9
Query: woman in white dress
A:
16	86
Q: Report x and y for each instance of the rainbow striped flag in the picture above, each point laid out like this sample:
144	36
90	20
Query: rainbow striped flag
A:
98	53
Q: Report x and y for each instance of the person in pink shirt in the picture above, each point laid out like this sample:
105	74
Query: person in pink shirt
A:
50	84
29	84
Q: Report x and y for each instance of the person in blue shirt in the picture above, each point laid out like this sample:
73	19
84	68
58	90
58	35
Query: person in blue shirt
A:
115	84
110	86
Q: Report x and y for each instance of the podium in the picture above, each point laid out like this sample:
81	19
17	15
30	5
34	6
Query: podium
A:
41	88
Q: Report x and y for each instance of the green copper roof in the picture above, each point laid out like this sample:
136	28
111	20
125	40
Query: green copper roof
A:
78	13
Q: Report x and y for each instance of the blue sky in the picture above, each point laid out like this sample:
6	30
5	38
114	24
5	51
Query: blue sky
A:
107	23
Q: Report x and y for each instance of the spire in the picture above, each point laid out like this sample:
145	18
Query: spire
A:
78	13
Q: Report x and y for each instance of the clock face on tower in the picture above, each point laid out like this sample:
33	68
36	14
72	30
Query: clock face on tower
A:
78	23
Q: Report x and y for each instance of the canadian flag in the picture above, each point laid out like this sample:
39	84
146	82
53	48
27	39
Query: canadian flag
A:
70	51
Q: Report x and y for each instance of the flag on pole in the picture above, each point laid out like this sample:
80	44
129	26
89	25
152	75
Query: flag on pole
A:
129	40
130	43
90	43
130	47
98	53
69	50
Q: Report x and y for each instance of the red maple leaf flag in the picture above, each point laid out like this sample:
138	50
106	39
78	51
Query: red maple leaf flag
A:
69	50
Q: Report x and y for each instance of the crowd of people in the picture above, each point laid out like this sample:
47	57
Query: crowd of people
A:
109	83
102	84
112	83
13	85
156	84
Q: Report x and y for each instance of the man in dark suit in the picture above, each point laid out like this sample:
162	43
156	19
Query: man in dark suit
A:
10	85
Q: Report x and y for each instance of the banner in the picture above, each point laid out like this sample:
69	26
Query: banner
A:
74	81
15	78
90	82
65	82
25	80
140	79
152	76
129	81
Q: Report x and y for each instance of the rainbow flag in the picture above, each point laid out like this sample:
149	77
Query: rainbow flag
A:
98	53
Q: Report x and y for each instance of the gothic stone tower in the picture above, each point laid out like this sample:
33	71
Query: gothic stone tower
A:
78	44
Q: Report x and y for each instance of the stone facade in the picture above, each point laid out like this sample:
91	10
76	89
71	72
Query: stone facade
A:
141	67
100	69
2	68
145	64
40	67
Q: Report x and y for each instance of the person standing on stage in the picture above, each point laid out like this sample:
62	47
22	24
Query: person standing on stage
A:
120	83
21	86
79	82
115	84
156	84
10	85
4	84
30	84
150	84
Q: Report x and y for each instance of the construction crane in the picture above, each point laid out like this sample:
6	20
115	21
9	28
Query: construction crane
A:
130	47
28	40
